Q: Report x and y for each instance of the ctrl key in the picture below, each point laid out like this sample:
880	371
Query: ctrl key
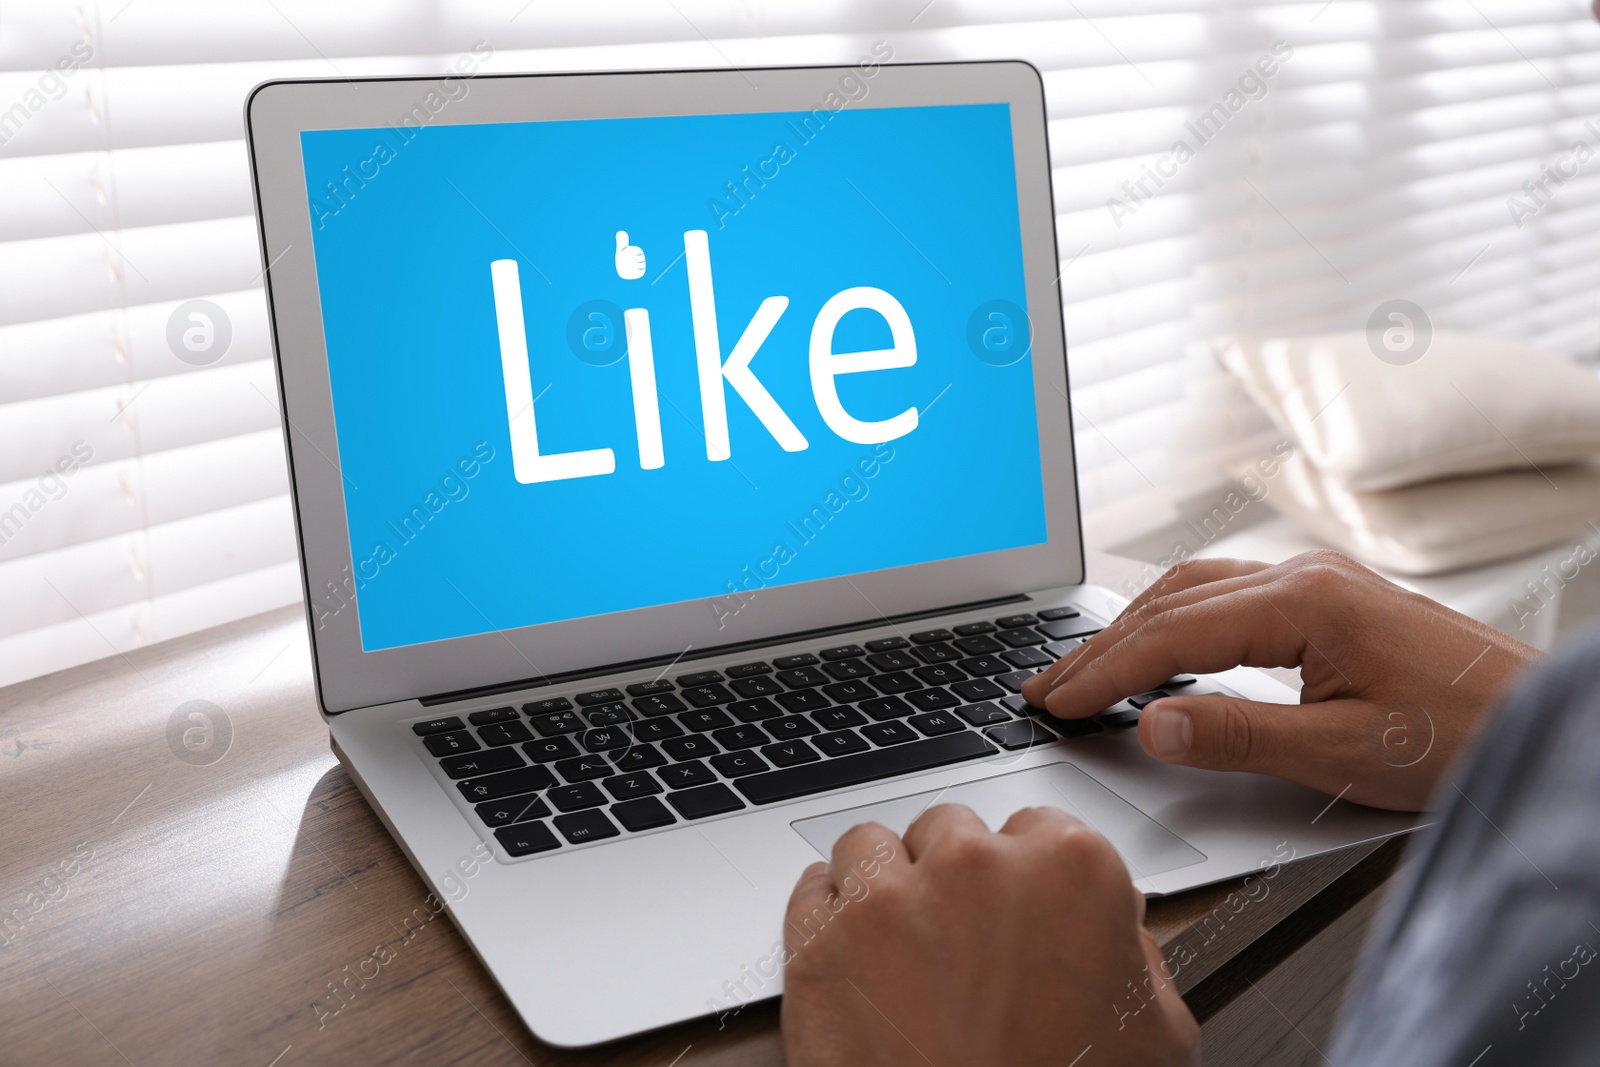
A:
583	826
527	838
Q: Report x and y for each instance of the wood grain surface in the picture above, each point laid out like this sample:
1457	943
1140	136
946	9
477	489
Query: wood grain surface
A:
243	905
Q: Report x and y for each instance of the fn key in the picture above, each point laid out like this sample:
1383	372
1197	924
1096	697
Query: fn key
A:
527	838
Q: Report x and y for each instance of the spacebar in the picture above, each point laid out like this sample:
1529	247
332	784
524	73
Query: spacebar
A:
837	773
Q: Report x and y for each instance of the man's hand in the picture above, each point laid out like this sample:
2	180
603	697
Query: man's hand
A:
1393	684
957	946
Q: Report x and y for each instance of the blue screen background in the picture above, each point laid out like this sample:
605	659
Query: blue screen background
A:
920	202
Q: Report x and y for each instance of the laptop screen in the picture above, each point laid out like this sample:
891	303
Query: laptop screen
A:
582	367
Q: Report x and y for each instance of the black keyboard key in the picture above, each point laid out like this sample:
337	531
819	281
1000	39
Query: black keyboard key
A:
935	723
704	801
737	737
555	723
1021	637
983	714
489	715
972	629
790	727
787	663
547	705
1060	648
650	688
940	674
438	726
896	682
549	749
1014	680
748	670
598	696
701	721
505	733
658	704
584	768
506	783
754	710
699	678
802	677
628	786
985	665
1011	622
849	692
893	661
656	730
888	733
939	652
1027	657
734	764
586	826
1019	733
755	687
982	645
790	754
638	758
1020	706
646	813
512	810
705	696
1072	728
526	839
884	708
604	739
846	669
451	744
838	718
473	763
789	782
608	715
977	689
576	797
683	775
1147	698
928	637
1120	720
1065	628
932	699
840	743
804	700
694	746
1052	614
843	652
1177	681
887	644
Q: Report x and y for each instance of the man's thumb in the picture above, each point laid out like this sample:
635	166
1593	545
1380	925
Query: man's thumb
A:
622	240
1218	732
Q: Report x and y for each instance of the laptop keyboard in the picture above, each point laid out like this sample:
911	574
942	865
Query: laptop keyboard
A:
569	770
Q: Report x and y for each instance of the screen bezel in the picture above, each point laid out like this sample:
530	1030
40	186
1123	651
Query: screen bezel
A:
349	677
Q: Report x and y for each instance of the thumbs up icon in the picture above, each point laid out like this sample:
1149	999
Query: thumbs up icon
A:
630	258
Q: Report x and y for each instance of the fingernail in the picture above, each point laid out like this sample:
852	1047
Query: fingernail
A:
1171	730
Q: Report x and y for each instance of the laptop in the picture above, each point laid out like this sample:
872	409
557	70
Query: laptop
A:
683	471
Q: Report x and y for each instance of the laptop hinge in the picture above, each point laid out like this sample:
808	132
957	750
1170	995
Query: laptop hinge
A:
707	653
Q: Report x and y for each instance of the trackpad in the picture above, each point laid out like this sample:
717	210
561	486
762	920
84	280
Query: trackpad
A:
1147	847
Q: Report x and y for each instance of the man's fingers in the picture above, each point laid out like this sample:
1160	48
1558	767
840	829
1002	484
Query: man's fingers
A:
1028	820
1313	744
1213	634
1187	583
939	822
861	846
810	893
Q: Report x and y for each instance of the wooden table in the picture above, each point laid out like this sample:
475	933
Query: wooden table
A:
162	905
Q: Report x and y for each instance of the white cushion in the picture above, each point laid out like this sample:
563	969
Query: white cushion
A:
1471	403
1446	524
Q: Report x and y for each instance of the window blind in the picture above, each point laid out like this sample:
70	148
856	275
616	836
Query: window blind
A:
1335	154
